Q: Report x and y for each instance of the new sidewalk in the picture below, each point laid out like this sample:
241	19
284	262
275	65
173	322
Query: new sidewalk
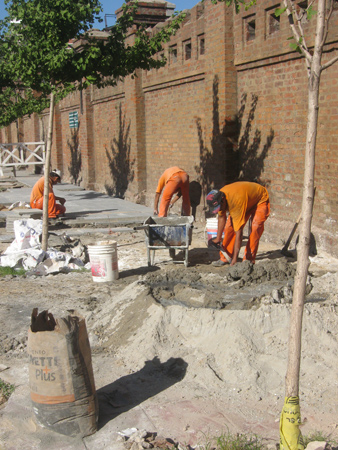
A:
83	207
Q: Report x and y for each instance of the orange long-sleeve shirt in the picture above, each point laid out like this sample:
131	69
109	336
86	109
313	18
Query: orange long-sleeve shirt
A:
166	175
37	191
241	197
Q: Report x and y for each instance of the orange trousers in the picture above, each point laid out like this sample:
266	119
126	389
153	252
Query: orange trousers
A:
54	209
179	180
259	215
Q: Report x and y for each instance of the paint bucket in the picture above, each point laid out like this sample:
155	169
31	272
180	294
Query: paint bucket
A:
103	261
211	229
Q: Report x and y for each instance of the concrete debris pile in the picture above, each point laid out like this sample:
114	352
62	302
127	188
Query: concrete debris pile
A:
25	251
135	439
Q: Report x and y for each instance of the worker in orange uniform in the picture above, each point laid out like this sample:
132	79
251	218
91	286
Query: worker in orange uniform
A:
36	201
172	180
243	200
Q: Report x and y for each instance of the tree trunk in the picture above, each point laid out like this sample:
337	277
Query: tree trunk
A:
292	375
293	368
47	170
291	437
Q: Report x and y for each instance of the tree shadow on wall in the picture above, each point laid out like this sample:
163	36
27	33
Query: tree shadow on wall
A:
120	165
251	161
219	164
75	155
231	157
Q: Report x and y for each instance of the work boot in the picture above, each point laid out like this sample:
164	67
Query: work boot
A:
219	263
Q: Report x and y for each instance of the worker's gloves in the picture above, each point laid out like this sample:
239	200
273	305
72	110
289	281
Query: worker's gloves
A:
212	244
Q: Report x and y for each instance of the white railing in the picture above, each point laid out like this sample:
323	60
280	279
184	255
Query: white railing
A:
22	154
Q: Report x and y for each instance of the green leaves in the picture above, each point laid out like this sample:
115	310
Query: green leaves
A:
15	103
310	12
296	46
279	11
50	48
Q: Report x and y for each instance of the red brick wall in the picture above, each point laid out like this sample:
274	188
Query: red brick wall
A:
237	111
277	79
107	104
190	103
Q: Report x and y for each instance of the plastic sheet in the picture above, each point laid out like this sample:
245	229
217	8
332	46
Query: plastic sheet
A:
290	435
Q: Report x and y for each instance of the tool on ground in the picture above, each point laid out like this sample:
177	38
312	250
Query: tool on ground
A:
284	250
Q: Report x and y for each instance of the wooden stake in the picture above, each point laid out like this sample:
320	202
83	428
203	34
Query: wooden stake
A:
47	170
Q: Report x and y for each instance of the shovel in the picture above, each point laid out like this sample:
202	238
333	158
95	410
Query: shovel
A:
285	251
219	247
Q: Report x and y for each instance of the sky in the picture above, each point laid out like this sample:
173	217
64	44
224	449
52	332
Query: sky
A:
110	6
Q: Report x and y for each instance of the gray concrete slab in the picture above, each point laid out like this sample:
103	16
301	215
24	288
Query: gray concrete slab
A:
83	207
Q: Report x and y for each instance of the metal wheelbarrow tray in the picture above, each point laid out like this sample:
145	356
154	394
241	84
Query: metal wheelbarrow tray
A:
168	232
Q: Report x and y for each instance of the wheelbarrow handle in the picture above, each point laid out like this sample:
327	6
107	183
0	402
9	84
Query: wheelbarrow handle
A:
143	227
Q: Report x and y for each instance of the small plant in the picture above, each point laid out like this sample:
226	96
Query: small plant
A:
11	271
81	270
318	436
230	441
6	389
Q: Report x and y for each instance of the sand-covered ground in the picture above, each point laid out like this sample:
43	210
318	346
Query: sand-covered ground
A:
196	349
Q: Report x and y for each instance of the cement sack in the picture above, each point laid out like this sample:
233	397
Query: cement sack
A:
61	375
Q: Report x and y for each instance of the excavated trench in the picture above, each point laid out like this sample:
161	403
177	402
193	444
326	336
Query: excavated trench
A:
243	286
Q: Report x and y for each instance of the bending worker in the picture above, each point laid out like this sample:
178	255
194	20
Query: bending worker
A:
243	200
172	180
36	202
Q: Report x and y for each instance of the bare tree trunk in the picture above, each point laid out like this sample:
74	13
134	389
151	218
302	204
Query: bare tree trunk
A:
47	170
291	437
292	375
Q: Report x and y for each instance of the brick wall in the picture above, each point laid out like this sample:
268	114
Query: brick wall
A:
230	104
272	91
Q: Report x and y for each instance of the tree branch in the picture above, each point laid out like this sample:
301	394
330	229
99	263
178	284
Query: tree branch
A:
329	63
298	37
326	23
300	27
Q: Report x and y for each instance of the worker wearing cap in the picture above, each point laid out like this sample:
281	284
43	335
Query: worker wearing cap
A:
242	200
171	181
36	201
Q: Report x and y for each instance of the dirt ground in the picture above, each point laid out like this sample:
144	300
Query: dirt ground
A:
202	348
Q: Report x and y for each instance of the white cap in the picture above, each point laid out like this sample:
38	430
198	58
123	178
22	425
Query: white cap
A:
56	172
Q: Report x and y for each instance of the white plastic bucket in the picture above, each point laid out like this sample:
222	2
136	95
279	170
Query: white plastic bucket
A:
103	261
211	228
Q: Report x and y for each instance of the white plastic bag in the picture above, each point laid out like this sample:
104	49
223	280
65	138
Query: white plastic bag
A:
27	233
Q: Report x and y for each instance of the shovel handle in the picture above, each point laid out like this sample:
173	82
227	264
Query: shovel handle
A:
287	243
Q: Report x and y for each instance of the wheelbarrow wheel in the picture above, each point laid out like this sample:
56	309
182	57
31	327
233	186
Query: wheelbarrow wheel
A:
172	253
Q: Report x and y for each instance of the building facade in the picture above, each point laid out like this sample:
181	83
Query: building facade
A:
230	104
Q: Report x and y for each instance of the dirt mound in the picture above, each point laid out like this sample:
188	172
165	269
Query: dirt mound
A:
195	349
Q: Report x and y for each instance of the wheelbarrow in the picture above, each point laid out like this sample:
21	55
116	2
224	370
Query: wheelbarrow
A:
173	233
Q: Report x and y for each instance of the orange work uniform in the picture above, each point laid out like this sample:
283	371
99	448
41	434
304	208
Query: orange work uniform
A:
36	200
244	200
172	180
